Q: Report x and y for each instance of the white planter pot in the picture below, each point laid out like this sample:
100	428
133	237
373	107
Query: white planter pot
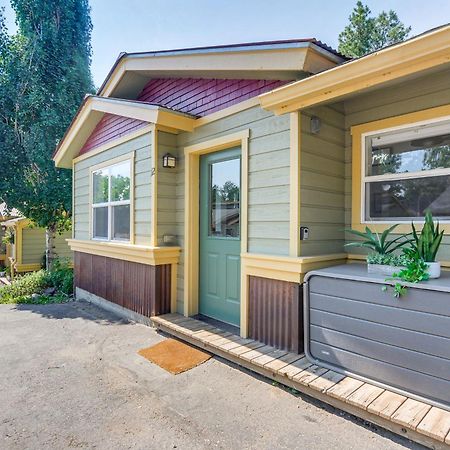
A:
383	269
434	269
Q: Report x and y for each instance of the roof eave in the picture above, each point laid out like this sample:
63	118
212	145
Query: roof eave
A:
160	61
418	54
92	110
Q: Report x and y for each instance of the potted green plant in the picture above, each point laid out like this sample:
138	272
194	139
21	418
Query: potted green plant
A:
427	243
382	259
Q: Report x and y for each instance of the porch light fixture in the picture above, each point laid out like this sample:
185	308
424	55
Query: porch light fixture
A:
315	124
169	161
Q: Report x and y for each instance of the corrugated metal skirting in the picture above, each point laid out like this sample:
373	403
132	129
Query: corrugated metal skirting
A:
276	313
141	288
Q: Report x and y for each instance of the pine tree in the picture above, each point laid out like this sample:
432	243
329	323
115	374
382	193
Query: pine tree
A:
366	34
44	75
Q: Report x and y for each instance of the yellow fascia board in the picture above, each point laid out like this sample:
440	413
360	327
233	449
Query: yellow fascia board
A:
93	110
358	133
287	268
153	256
27	267
407	58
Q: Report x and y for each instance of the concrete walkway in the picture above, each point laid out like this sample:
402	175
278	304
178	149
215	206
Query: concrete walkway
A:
70	377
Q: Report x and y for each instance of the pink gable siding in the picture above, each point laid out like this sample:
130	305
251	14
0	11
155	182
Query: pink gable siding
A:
202	96
109	128
198	97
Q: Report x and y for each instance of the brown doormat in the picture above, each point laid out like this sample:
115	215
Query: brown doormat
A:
174	356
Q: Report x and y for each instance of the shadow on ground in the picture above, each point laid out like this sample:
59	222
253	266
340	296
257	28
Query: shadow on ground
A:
72	310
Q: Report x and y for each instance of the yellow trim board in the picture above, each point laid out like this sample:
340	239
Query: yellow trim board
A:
153	256
154	189
20	268
191	211
421	53
358	134
294	184
287	268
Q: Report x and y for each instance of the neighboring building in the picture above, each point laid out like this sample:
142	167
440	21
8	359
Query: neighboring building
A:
27	252
268	138
5	214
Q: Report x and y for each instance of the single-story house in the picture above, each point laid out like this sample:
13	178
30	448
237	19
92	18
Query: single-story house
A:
211	180
26	252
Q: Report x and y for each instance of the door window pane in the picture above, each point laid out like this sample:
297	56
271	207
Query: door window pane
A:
225	184
100	216
120	182
408	198
121	222
100	186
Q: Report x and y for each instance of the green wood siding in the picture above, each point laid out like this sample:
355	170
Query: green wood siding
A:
322	174
142	187
415	95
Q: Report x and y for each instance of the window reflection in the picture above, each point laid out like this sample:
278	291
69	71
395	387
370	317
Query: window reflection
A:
225	198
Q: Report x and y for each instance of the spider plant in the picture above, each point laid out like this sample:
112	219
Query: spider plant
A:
379	243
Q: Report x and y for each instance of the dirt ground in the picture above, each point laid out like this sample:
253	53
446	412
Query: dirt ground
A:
70	377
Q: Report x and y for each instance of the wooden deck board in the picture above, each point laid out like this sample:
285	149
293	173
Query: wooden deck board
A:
364	395
417	420
294	368
246	348
269	357
309	374
277	364
435	424
326	381
225	340
386	404
257	352
344	388
410	413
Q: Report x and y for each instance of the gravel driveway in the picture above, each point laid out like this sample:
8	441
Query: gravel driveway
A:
70	377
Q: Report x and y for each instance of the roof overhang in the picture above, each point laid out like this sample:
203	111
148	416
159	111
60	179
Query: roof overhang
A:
283	60
93	109
423	53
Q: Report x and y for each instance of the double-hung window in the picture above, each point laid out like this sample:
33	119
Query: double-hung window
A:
111	193
406	171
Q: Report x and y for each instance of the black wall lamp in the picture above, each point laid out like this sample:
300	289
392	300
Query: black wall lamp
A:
169	161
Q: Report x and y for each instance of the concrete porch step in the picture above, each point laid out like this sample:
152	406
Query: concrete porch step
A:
405	416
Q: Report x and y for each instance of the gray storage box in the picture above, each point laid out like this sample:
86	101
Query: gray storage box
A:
353	327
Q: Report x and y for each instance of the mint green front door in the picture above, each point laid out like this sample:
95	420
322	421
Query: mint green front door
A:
220	242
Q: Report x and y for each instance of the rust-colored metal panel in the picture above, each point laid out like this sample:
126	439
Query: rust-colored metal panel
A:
276	313
141	288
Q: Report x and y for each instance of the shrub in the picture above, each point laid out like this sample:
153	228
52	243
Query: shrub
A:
60	277
23	287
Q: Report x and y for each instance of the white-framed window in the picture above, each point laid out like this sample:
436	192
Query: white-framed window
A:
111	202
406	171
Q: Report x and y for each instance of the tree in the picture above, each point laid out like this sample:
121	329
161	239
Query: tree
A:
44	75
365	34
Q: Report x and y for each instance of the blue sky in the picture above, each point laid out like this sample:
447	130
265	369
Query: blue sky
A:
139	25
